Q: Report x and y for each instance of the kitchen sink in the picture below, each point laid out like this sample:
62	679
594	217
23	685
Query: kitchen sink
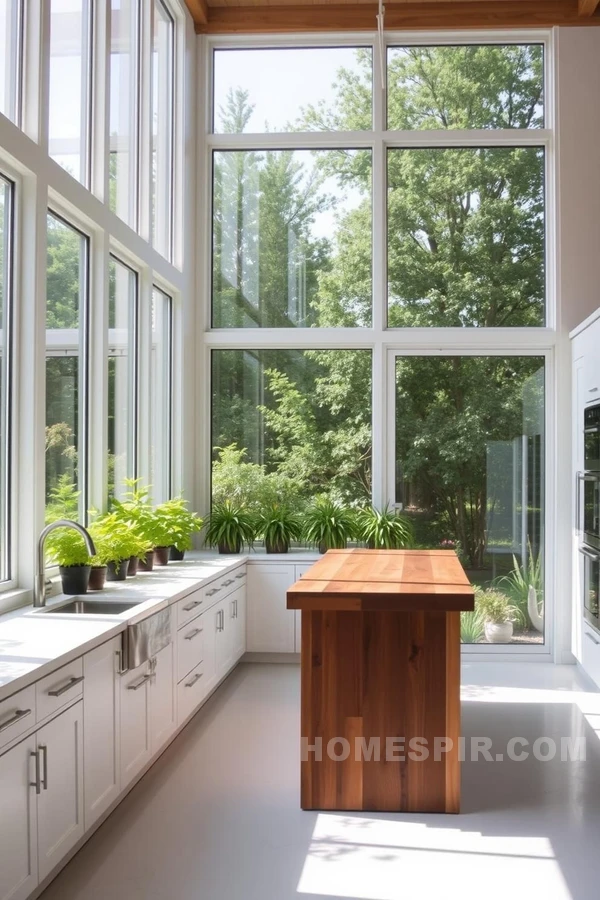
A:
81	607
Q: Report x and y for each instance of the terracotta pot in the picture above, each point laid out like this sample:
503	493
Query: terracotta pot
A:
161	556
75	579
498	632
97	578
176	555
117	571
132	568
147	564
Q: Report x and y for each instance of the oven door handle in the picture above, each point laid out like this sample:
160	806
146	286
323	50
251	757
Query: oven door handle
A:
592	429
595	557
579	478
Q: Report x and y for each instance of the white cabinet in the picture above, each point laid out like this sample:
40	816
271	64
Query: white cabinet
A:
224	637
18	822
100	729
162	699
59	747
237	612
134	715
270	627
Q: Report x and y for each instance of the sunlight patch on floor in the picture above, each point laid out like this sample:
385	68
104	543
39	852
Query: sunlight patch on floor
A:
378	859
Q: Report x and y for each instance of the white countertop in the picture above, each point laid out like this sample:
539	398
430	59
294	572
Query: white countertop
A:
33	642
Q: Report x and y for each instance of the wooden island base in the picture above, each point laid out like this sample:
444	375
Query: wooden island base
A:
380	658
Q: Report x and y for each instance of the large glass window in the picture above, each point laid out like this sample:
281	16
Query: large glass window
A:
466	237
6	299
10	57
124	77
162	127
291	424
70	80
468	87
66	315
293	89
161	396
470	450
122	376
292	238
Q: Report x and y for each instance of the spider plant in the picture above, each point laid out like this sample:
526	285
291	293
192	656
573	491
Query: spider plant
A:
328	524
229	527
383	529
278	526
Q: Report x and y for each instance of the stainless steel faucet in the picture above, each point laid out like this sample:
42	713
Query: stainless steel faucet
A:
39	585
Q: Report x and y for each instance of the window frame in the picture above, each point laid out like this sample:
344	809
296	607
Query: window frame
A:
167	390
542	340
168	250
9	450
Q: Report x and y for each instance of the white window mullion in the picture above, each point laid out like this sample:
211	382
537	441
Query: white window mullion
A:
143	378
100	94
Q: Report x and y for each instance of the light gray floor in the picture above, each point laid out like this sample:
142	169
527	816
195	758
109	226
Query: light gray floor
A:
217	817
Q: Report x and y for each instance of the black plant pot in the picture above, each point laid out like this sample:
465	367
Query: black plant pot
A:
277	547
226	548
147	564
161	556
117	571
97	578
132	568
176	555
75	579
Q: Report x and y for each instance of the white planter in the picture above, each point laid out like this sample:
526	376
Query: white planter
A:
498	633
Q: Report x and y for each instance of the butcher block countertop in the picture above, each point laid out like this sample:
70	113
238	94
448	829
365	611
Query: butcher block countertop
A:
402	580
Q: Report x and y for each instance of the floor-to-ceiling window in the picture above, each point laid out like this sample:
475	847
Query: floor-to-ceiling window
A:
121	461
6	367
391	210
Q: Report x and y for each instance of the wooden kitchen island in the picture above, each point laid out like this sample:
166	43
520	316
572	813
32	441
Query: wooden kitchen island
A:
381	669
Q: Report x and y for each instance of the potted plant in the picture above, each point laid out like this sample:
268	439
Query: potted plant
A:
497	613
67	548
278	526
229	527
383	529
328	524
117	541
180	524
152	528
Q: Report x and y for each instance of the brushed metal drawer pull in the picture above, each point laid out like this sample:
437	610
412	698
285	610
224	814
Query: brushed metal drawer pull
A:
192	605
196	678
138	684
228	582
592	638
193	634
20	714
37	783
593	390
214	591
43	748
242	575
66	687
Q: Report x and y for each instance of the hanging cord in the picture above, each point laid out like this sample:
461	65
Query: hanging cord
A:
380	26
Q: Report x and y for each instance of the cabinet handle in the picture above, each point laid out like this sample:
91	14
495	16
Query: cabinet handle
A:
593	390
228	582
138	684
220	620
241	575
20	714
214	591
193	634
192	605
592	638
121	669
44	749
196	678
66	687
36	784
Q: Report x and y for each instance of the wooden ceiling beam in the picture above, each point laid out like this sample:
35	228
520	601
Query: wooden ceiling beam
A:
199	12
588	7
323	17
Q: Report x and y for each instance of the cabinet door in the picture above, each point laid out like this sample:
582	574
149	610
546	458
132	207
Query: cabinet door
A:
270	627
60	803
134	722
18	822
162	699
224	637
100	730
239	625
300	571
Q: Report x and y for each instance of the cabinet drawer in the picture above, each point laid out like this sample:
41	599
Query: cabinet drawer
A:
190	607
221	587
191	692
62	686
17	714
190	646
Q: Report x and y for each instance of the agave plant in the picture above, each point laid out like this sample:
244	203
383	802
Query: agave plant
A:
384	529
229	527
519	583
328	524
471	626
278	525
